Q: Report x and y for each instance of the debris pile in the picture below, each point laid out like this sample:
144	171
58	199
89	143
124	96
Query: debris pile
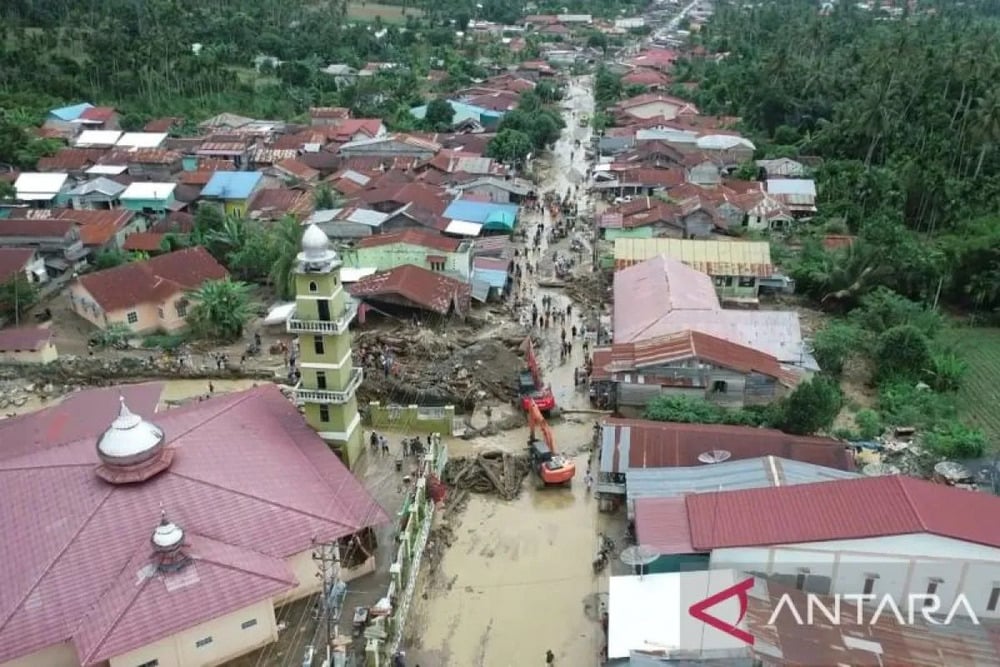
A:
589	290
429	368
496	472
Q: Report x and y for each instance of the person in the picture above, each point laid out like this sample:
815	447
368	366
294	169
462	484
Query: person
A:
588	480
406	447
550	657
374	442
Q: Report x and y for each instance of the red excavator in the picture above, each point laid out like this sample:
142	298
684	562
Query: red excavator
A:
553	469
530	387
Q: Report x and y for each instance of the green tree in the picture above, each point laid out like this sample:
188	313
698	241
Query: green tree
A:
221	309
110	258
884	309
869	424
903	352
833	345
510	147
440	115
952	440
16	297
286	241
812	407
324	197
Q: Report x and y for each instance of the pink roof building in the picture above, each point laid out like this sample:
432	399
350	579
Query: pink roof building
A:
239	485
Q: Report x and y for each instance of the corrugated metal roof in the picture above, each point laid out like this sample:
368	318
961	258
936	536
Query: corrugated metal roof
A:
845	509
662	523
635	443
716	258
791	186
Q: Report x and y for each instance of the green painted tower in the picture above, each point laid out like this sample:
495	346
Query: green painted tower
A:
321	318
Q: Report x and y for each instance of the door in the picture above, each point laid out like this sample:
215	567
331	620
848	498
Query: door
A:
320	380
324	310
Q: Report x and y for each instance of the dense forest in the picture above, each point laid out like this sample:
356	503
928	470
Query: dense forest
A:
905	115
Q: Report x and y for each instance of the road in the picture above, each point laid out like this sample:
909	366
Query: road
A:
518	580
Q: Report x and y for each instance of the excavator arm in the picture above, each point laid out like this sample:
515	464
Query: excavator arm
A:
537	420
529	355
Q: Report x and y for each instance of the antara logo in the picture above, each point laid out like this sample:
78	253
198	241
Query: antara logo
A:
740	592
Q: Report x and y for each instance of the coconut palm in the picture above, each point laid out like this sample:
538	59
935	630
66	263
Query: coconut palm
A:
221	309
287	241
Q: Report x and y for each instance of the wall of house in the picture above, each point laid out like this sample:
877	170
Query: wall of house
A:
57	655
385	257
412	418
147	315
136	224
699	225
696	382
632	233
229	640
305	568
43	355
495	194
140	205
741	287
905	564
93	201
704	174
398	223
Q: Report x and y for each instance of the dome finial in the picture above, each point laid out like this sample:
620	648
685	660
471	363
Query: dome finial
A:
132	449
316	248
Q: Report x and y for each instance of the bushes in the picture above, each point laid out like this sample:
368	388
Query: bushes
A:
954	440
902	352
868	423
812	407
834	344
667	408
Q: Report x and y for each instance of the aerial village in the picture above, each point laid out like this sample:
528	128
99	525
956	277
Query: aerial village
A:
433	434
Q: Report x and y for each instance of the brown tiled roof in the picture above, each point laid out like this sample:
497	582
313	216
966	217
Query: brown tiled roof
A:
276	202
154	156
35	227
98	114
426	197
13	261
144	242
177	221
298	169
24	338
419	237
425	288
162	124
145	282
71	159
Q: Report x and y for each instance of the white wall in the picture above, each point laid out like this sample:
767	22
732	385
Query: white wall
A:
905	564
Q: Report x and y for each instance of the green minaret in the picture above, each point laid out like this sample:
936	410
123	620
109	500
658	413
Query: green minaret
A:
320	320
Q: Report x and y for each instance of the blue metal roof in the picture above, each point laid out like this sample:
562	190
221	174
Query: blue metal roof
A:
70	113
489	214
491	277
232	184
463	112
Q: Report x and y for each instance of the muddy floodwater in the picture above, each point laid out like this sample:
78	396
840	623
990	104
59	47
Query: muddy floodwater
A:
517	579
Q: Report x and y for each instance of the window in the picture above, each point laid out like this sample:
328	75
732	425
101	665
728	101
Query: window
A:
159	311
321	379
182	308
246	625
437	266
719	387
318	345
324	413
202	643
335	281
994	598
312	286
800	579
869	584
132	317
747	281
932	589
150	663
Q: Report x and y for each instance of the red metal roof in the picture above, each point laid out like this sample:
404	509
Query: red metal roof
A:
251	484
650	444
420	237
144	242
98	114
24	338
35	227
273	203
424	288
842	510
662	523
71	159
298	169
13	261
97	227
134	283
162	124
329	112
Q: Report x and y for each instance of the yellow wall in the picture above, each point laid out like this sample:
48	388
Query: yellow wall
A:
44	355
58	655
148	313
229	640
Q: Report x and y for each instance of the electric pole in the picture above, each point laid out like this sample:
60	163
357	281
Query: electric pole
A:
327	558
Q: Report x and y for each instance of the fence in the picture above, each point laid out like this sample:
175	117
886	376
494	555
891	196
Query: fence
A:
412	418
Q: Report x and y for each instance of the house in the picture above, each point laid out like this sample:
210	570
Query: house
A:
481	117
347	130
72	161
411	205
146	296
638	452
664	296
27	345
493	216
728	150
97	138
225	122
417	247
102	229
63	120
163	124
798	195
114	474
655	105
276	203
926	538
234	149
232	189
781	168
40	190
499	190
25	263
391	145
99	118
407	288
649	625
648	78
149	198
736	267
348	223
154	164
659	59
579	19
96	193
296	171
56	241
691	364
768	213
490	277
139	140
343	75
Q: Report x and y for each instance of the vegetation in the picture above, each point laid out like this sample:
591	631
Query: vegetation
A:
17	296
530	128
221	309
978	394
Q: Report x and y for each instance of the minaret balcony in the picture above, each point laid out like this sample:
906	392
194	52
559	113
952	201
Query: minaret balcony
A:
304	395
332	327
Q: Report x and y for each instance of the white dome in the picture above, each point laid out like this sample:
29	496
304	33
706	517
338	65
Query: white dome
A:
316	247
167	535
130	440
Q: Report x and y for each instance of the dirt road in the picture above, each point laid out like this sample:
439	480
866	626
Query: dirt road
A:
517	580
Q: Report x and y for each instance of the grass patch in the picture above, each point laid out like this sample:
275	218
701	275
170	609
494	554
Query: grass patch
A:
979	396
357	11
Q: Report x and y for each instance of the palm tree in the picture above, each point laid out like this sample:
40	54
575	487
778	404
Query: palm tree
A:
287	239
988	122
221	309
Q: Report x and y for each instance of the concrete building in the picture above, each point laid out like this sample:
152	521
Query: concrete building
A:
321	320
232	189
419	247
25	263
171	542
27	345
149	198
56	241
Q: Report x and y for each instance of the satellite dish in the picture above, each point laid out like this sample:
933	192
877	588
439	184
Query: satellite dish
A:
879	470
715	456
638	556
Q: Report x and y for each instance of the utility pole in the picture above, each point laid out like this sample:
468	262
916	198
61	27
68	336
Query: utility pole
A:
327	558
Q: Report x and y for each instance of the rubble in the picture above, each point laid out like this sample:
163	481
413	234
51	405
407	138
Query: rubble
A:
589	290
496	472
434	369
